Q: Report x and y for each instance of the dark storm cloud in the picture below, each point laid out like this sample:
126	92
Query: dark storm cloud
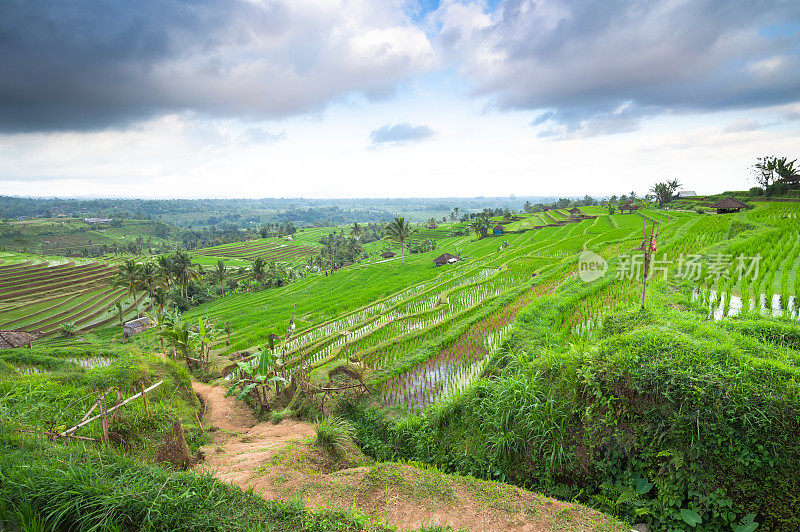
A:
83	65
400	134
595	62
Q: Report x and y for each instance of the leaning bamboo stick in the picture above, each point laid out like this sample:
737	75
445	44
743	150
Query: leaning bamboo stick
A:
123	403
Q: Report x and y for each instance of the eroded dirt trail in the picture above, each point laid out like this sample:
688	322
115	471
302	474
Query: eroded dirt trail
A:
279	461
241	445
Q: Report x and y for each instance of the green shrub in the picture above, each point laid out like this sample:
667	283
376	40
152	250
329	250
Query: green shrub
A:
334	434
276	416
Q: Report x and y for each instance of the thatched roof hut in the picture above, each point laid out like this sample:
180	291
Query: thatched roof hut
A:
17	338
445	258
575	211
628	206
388	254
728	205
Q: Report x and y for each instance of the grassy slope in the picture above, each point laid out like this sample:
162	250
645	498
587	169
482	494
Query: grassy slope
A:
653	417
566	370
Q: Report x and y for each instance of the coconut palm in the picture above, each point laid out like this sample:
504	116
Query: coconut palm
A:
219	274
160	297
184	271
481	225
129	276
356	230
399	230
165	268
258	269
149	275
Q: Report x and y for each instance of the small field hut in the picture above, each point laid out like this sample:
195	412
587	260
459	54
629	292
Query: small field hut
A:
134	327
728	205
445	258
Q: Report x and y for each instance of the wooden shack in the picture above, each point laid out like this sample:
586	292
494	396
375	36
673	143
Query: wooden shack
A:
445	258
728	205
137	326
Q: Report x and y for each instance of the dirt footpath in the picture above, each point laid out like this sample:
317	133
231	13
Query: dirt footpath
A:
280	461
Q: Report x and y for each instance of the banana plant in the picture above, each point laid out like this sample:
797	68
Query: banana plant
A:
206	335
179	336
257	376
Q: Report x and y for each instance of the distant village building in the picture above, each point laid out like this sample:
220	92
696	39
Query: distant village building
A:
134	327
16	338
498	230
685	194
97	221
388	254
445	258
431	226
728	205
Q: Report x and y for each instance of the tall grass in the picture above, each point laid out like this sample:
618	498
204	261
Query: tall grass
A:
334	434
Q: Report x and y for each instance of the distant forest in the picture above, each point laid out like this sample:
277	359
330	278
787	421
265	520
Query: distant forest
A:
198	213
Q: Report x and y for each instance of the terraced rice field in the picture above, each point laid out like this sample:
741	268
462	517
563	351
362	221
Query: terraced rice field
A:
430	336
269	249
435	332
40	296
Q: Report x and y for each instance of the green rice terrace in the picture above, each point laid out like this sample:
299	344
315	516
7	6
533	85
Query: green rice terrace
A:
505	386
42	296
292	249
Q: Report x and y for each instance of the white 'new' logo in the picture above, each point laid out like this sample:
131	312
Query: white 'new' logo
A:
591	266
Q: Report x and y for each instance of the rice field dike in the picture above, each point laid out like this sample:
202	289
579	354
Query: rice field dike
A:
514	378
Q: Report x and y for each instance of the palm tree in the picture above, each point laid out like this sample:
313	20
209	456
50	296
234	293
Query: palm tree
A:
182	266
258	269
399	230
356	230
481	225
129	276
120	312
665	190
165	268
160	297
219	274
149	275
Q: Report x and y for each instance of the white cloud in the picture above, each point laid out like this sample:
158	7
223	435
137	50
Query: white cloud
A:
584	59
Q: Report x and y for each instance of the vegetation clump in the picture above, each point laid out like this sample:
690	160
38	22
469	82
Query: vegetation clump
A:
334	434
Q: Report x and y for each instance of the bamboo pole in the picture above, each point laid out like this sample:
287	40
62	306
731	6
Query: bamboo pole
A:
123	403
104	419
144	398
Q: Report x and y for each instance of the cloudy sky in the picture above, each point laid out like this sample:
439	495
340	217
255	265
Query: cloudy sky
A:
372	98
